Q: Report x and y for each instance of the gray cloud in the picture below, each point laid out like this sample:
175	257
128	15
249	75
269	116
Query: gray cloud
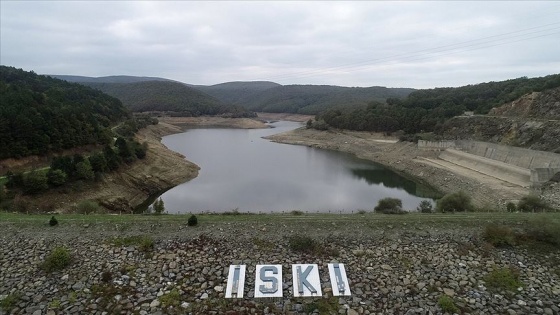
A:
405	44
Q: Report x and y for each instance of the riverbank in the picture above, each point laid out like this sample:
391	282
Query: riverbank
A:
406	158
159	265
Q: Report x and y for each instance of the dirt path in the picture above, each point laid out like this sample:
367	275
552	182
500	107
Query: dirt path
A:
407	159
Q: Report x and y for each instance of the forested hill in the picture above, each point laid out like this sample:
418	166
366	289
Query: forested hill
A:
142	94
40	114
301	99
426	110
107	79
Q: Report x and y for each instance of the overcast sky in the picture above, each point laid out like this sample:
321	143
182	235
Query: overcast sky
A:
387	43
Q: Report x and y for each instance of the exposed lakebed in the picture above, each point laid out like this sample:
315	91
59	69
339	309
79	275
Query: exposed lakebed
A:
240	170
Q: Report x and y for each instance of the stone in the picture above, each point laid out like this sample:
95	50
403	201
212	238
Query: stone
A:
448	291
204	296
386	267
219	288
155	303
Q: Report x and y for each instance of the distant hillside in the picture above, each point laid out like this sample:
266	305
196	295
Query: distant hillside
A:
108	79
142	94
300	99
427	110
40	114
161	96
236	92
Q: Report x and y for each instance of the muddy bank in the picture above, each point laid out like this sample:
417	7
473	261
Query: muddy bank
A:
406	158
197	122
131	185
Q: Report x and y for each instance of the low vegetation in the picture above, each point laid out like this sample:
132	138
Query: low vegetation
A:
192	221
58	259
532	203
455	202
499	235
144	243
10	301
308	245
389	206
447	305
503	279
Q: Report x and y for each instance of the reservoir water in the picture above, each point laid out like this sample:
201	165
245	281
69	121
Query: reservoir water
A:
240	170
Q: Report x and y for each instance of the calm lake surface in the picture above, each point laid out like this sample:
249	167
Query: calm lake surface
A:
240	170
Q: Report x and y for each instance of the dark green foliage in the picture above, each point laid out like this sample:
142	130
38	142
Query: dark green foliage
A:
53	221
447	305
503	279
425	207
35	182
106	276
159	206
192	221
305	99
10	302
40	114
140	150
532	203
14	179
511	207
309	123
58	259
98	163
320	125
168	96
113	160
389	206
427	110
455	202
544	231
499	235
88	207
301	243
84	170
56	177
125	151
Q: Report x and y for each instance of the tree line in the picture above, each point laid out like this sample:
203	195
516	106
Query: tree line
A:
68	169
426	110
40	115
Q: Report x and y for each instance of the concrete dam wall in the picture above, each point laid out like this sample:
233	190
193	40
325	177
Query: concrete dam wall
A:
520	166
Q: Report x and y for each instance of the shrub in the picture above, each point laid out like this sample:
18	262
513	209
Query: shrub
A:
425	206
56	177
35	182
304	244
545	231
532	203
87	207
192	221
296	212
10	301
144	243
173	298
503	279
389	205
455	202
106	276
447	305
53	221
58	259
499	235
159	206
510	207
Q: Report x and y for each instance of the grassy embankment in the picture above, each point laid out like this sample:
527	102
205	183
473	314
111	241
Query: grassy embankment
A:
471	219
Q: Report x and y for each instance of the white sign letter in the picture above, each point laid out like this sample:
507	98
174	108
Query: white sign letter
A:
339	281
268	281
306	280
235	282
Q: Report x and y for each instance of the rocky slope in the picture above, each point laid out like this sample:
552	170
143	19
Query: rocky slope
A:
392	269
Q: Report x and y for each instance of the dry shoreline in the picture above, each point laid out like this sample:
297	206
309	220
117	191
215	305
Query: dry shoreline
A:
406	158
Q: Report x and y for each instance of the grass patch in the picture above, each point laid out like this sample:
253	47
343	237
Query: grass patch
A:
503	279
499	235
447	305
10	302
323	306
307	245
144	243
58	259
173	298
262	243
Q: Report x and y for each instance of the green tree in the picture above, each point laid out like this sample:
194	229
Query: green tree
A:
389	205
159	206
98	163
532	203
113	160
425	207
125	152
455	202
35	182
56	177
84	170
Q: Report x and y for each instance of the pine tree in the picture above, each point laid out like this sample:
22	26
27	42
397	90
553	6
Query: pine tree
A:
159	206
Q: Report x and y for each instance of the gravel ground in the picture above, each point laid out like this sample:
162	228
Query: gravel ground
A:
397	268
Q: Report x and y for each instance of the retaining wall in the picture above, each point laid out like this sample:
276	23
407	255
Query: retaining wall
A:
506	172
518	165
